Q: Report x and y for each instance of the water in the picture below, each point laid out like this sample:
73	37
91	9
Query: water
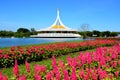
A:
7	42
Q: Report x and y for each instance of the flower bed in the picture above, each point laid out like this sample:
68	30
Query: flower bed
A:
103	64
109	38
37	53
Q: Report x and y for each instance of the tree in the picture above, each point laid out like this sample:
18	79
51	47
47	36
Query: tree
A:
6	33
84	28
33	31
113	34
89	33
106	34
23	30
96	33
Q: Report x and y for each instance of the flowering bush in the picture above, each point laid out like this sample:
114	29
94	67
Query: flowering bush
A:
103	64
37	53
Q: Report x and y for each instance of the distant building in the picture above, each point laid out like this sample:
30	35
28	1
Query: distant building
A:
57	30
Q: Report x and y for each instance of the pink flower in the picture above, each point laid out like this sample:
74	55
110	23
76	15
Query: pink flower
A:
119	62
114	64
81	73
16	69
73	74
1	77
23	77
114	55
48	76
36	69
61	64
56	72
53	61
74	62
69	60
58	75
117	74
110	76
27	66
86	77
5	78
66	76
102	73
42	68
89	58
37	77
94	76
102	61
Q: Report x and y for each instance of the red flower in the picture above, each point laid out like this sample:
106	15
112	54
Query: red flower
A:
0	55
6	56
12	48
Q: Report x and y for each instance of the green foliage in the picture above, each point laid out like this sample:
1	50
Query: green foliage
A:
96	33
6	33
106	34
21	32
112	34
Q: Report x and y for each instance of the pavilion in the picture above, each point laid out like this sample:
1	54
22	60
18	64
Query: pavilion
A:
57	30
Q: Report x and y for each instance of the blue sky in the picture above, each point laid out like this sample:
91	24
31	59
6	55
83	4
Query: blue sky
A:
101	15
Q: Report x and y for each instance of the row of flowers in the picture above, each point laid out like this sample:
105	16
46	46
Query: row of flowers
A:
102	64
109	38
37	53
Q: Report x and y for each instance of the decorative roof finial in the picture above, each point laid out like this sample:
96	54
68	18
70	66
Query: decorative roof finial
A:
58	13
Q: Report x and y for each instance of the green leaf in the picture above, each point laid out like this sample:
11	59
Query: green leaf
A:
109	69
